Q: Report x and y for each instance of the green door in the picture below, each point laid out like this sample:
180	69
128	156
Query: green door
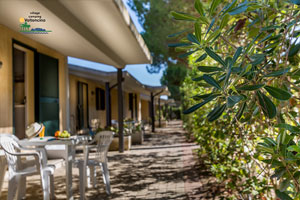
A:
47	93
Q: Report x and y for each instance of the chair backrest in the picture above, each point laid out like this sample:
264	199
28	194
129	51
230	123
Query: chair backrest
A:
10	145
103	139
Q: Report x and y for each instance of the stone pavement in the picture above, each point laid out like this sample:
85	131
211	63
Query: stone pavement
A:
164	167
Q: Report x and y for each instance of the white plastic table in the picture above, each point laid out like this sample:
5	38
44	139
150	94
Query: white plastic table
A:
69	144
3	166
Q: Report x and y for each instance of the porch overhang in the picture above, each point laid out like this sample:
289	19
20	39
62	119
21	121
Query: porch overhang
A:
99	31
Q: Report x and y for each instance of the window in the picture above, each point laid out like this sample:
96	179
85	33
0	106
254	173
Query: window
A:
131	101
100	99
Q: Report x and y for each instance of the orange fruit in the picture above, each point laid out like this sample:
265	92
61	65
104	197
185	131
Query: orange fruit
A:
57	133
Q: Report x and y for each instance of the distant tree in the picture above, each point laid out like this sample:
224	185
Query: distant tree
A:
173	77
154	16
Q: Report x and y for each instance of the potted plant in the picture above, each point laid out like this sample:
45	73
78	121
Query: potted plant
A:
138	134
114	146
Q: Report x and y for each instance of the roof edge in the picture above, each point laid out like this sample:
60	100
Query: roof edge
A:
147	87
132	27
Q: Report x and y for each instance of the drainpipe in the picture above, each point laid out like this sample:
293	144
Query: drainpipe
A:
120	111
159	117
152	113
108	104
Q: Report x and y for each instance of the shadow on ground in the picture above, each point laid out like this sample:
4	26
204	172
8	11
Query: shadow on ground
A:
164	167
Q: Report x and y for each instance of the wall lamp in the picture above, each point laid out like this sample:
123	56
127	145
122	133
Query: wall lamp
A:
1	64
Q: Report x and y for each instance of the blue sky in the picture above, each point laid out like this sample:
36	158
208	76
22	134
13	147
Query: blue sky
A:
138	71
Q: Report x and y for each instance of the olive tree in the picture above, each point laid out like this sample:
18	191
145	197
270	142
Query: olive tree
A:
253	78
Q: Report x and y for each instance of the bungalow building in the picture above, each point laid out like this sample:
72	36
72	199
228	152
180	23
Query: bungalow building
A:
93	95
35	39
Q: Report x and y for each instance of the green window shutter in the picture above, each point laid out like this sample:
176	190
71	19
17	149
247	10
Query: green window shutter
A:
47	93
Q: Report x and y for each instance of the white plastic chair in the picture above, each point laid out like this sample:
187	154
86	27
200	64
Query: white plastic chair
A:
103	140
19	168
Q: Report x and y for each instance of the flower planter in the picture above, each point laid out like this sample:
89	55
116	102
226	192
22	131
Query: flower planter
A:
137	137
114	146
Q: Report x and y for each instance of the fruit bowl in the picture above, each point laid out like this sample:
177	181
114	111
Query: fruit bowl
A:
62	135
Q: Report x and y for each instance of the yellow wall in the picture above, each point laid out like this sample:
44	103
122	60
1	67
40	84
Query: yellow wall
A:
93	113
114	105
6	87
97	114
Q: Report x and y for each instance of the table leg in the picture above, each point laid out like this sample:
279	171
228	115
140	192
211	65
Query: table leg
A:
84	181
3	166
69	160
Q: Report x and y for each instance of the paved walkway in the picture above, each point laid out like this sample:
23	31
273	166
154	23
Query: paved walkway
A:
164	167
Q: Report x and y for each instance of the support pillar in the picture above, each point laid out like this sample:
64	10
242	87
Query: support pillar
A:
159	114
152	113
136	107
120	112
108	104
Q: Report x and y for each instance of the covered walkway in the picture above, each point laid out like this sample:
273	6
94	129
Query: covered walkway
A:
164	167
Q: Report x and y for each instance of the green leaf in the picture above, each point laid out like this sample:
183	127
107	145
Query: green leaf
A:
200	78
202	20
270	141
224	21
268	28
257	59
192	38
186	54
239	9
216	108
213	35
199	105
270	46
294	148
279	172
227	76
277	93
278	72
198	32
294	49
178	33
237	54
284	185
215	56
210	26
282	195
199	7
203	96
288	127
209	69
267	105
250	87
229	7
213	6
296	2
179	45
239	113
217	113
202	57
263	148
183	16
232	100
208	79
265	38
